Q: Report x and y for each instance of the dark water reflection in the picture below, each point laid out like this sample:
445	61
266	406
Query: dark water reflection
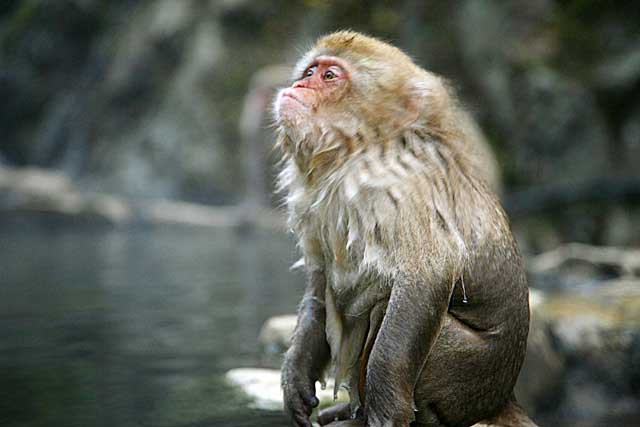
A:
135	327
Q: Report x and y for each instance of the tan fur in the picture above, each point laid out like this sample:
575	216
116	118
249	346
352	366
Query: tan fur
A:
365	185
377	186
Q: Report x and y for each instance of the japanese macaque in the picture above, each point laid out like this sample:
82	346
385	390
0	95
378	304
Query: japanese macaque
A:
416	299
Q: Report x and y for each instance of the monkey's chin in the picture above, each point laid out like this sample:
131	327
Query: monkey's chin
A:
291	109
295	124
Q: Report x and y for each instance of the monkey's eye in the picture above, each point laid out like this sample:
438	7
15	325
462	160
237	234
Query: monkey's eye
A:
309	72
329	75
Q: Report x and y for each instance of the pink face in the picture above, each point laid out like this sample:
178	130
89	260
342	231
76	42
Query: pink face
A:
321	83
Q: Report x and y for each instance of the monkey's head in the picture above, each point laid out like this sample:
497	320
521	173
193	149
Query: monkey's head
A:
358	88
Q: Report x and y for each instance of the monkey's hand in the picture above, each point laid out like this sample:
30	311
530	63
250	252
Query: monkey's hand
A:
308	354
299	391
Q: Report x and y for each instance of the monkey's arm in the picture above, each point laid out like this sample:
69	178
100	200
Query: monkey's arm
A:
411	324
308	354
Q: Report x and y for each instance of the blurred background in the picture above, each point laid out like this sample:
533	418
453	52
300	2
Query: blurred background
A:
142	249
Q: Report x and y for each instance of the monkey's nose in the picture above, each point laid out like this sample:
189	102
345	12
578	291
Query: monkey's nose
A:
300	84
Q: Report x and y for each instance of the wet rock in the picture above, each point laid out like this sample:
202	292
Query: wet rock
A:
276	333
590	318
577	266
41	191
595	332
534	390
262	386
52	195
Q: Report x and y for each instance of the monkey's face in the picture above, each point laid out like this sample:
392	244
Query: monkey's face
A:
355	89
314	99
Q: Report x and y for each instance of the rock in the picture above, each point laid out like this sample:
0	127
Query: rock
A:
593	335
602	320
276	333
584	334
44	191
532	389
262	386
40	191
586	263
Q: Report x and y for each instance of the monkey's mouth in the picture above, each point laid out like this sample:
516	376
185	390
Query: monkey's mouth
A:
289	94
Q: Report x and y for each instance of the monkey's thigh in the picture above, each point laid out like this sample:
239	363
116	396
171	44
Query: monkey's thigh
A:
464	378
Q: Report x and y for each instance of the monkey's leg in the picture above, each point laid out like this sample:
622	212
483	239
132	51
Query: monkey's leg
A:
469	374
410	326
308	354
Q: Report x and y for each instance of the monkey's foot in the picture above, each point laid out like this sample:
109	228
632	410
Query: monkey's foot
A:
339	412
347	423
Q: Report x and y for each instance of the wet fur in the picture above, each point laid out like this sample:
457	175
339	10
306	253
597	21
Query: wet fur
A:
422	290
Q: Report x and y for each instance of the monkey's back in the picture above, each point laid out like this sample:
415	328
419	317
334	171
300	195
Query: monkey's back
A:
476	359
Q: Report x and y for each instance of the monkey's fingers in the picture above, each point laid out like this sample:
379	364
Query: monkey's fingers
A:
339	412
307	393
299	418
311	400
299	396
299	411
301	421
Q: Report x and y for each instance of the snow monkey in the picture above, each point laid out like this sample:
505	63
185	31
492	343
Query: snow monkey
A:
416	298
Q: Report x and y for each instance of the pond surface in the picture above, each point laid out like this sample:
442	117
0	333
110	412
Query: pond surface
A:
136	327
117	328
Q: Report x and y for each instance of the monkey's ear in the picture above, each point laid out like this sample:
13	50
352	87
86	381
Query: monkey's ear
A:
417	92
425	94
425	87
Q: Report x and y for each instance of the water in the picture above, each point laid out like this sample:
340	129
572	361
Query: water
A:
104	327
136	327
